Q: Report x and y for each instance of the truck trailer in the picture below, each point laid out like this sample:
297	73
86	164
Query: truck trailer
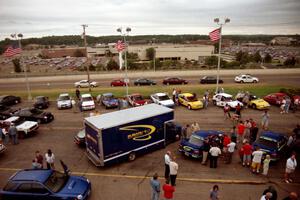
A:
122	135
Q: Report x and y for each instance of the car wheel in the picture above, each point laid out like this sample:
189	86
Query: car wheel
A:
253	106
39	121
254	81
40	107
189	107
241	81
78	86
214	102
182	83
132	156
112	85
168	83
92	86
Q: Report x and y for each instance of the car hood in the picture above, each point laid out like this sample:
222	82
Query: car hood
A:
111	102
168	102
264	147
234	103
186	143
141	102
75	186
64	102
88	103
260	102
26	125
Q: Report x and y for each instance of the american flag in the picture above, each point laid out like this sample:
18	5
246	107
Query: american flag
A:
120	46
214	35
12	50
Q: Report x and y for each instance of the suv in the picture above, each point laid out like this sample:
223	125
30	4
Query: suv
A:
24	128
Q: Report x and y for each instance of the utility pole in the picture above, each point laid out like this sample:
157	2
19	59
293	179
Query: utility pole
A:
85	46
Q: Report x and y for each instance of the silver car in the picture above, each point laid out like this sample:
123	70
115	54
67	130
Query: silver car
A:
85	84
64	101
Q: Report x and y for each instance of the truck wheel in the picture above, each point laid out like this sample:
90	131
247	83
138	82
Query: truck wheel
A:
132	156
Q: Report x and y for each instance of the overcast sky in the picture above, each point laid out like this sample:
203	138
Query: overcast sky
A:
37	18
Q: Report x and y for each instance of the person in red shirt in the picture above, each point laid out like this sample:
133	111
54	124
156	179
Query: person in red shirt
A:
226	141
247	149
240	131
168	190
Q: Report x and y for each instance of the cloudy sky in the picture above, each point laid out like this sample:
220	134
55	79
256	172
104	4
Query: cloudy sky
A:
37	18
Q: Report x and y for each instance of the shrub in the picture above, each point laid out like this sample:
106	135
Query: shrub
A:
17	65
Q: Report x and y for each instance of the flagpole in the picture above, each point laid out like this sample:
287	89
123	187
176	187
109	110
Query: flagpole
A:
219	59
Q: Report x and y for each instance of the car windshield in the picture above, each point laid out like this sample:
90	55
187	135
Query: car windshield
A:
40	99
226	98
36	111
267	142
63	98
138	98
196	140
192	98
87	99
56	181
163	98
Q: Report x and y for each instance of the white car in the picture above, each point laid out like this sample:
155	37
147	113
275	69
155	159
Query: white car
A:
87	102
162	99
64	101
2	148
245	78
85	84
23	127
221	99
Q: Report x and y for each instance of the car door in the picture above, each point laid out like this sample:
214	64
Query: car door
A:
32	191
218	100
84	84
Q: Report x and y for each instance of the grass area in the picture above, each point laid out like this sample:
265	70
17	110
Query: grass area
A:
259	90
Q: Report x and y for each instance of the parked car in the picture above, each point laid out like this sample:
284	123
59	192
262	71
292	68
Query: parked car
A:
136	100
190	101
174	81
79	138
254	101
193	146
221	99
24	128
210	80
34	114
64	101
41	102
45	184
108	100
272	143
2	148
85	84
8	100
275	98
6	112
246	78
162	99
144	81
87	102
117	82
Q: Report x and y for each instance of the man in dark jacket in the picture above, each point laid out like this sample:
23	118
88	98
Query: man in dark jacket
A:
12	131
205	150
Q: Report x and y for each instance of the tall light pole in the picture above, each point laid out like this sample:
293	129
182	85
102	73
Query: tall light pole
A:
154	52
126	49
217	20
85	46
19	38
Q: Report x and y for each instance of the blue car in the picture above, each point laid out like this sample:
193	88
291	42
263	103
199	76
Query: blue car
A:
271	143
108	100
193	146
45	185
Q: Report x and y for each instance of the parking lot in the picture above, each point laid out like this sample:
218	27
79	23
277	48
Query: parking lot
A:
129	180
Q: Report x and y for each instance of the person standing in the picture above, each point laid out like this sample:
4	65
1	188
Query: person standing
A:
238	109
247	130
35	164
291	165
6	135
168	190
39	159
282	106
155	186
205	101
214	193
226	110
167	165
240	131
256	161
13	132
230	151
173	171
253	131
265	120
77	92
272	190
195	127
287	104
292	196
174	95
50	158
266	196
1	135
266	163
247	150
185	132
205	150
214	154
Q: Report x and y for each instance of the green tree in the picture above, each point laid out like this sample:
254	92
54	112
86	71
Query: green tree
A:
211	61
150	53
17	65
257	57
112	65
268	58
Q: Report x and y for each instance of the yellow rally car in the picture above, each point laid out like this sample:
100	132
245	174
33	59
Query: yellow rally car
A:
190	101
259	104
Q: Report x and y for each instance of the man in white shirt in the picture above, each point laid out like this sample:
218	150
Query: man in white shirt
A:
291	165
267	196
231	147
167	165
214	154
173	171
256	161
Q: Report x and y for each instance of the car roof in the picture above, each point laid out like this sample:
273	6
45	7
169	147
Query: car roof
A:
12	119
206	133
224	94
160	94
32	175
64	94
39	97
107	94
272	135
136	94
187	94
86	95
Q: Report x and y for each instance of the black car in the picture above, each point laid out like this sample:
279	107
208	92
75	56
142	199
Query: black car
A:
41	102
8	100
79	138
34	114
144	81
174	81
210	80
6	112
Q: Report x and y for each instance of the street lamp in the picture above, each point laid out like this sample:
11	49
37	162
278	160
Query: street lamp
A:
217	20
128	29
19	37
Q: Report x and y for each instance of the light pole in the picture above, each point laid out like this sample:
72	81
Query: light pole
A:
126	80
19	38
217	20
154	52
85	46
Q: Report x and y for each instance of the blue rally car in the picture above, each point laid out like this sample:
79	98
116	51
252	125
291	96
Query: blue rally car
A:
108	100
271	143
45	185
193	146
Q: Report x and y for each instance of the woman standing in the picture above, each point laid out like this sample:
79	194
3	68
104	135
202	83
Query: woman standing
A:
50	158
265	120
214	193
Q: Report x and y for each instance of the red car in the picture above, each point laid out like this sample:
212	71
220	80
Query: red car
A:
174	81
275	98
136	100
117	82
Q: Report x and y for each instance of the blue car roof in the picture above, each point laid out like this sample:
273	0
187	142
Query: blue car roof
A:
107	94
206	133
273	135
32	175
